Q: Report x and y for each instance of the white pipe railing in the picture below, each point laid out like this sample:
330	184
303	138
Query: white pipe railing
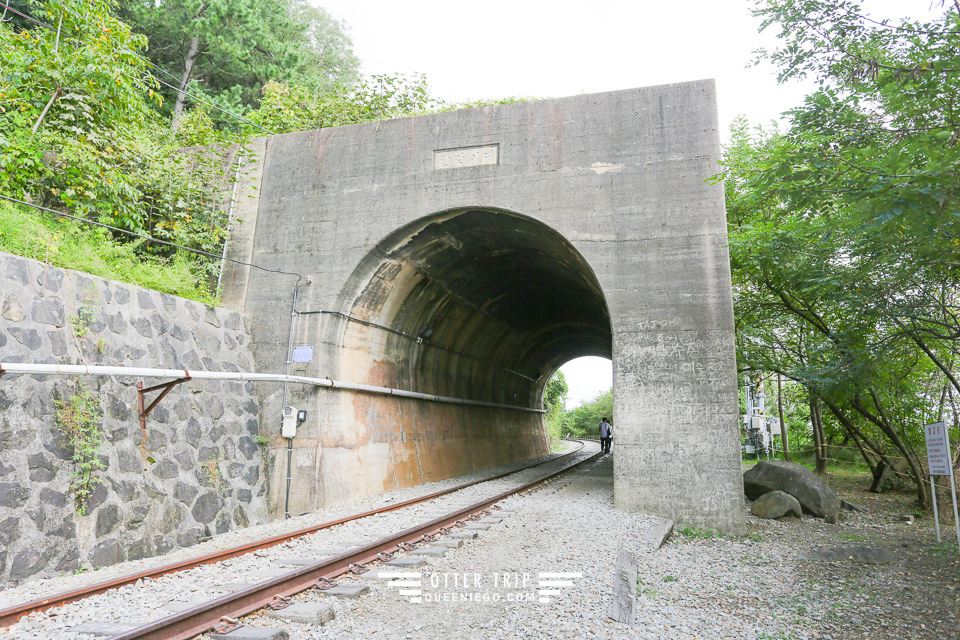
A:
239	376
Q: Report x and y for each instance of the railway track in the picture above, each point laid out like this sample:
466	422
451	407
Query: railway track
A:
202	618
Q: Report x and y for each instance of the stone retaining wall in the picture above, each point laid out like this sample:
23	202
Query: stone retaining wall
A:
196	471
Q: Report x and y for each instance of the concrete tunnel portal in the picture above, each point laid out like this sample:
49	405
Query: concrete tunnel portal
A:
468	254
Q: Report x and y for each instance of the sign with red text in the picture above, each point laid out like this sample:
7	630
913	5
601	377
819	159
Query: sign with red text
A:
938	449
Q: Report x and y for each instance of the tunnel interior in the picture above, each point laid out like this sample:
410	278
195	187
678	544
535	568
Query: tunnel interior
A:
478	304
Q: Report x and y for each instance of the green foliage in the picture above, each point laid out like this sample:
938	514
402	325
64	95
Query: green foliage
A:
845	229
78	133
697	532
70	245
554	398
69	102
81	322
290	107
226	50
478	104
555	393
287	107
78	416
584	421
645	591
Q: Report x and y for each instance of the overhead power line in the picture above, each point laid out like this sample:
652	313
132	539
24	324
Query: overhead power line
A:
7	7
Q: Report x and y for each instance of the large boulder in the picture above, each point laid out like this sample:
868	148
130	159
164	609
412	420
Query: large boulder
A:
814	496
775	505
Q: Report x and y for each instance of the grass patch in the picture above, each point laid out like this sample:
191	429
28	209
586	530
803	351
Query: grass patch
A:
846	536
697	532
643	590
70	245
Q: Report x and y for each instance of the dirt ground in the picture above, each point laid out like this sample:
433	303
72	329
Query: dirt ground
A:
917	596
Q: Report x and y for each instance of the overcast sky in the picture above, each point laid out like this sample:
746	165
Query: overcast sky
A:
551	49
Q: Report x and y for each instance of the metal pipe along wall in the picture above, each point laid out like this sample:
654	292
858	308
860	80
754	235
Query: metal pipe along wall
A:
239	376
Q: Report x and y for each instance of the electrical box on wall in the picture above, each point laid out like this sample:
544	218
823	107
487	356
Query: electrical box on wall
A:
288	425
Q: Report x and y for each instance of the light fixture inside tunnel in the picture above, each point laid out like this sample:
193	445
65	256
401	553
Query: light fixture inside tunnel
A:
424	334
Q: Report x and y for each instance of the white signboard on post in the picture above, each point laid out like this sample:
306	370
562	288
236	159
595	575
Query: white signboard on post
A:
941	464
938	450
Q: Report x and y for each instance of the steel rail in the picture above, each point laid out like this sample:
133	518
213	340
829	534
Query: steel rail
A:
202	618
12	614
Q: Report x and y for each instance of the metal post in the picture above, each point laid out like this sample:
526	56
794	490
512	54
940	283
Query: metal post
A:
143	422
953	492
936	515
953	486
286	504
784	435
283	401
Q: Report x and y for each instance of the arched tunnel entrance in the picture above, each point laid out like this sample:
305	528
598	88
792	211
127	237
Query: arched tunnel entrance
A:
482	304
477	304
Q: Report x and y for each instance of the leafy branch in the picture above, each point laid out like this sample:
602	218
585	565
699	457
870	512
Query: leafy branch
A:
78	416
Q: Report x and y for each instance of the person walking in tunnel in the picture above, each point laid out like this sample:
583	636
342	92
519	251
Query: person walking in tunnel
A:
606	433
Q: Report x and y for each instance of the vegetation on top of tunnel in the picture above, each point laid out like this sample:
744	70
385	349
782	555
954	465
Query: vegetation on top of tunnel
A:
107	118
70	245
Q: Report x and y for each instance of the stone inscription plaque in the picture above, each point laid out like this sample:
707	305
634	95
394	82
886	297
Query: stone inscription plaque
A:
466	157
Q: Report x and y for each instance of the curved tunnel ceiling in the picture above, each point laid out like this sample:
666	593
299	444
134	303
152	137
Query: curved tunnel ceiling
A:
501	300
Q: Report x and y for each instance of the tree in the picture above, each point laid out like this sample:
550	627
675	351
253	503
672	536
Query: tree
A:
329	62
554	398
78	132
555	393
583	421
845	228
229	49
71	95
285	108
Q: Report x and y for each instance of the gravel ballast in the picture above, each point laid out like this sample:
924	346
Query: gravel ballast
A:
697	586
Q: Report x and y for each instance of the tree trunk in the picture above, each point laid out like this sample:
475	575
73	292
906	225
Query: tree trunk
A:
783	424
915	467
816	421
192	54
821	467
864	454
956	425
859	437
